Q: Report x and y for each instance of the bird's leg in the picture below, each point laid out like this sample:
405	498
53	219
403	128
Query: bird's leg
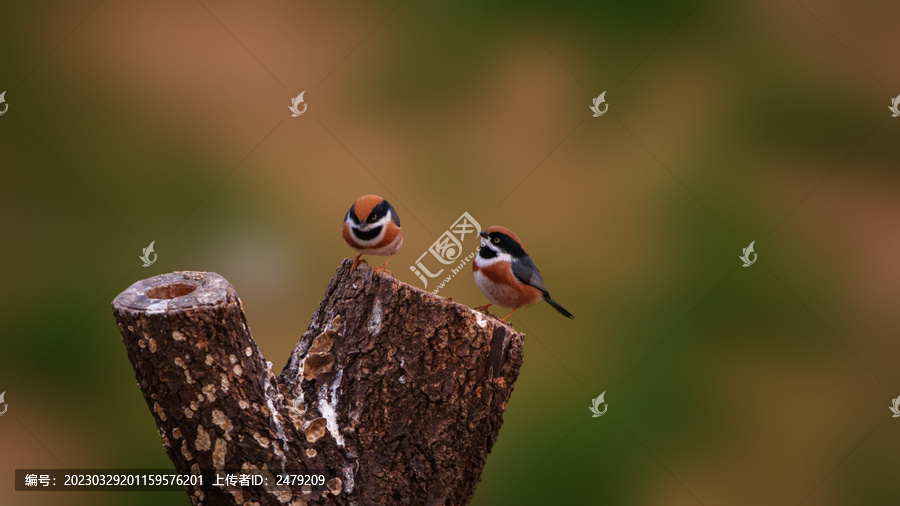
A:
357	261
483	308
382	267
510	314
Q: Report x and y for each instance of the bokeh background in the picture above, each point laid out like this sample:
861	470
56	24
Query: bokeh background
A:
729	122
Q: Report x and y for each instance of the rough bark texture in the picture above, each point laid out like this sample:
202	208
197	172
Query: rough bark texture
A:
399	392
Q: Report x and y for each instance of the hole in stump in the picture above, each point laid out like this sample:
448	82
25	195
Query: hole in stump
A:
171	291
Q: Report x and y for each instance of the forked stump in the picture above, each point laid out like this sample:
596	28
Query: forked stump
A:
398	393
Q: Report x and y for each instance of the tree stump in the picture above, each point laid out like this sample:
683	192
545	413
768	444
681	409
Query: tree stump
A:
398	393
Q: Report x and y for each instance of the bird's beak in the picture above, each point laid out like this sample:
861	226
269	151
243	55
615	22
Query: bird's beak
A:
484	234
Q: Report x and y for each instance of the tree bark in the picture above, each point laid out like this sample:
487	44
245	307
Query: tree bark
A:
398	393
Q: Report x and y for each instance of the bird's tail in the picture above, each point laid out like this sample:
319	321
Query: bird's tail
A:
563	311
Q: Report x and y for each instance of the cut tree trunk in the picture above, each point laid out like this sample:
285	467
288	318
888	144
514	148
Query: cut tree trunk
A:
396	393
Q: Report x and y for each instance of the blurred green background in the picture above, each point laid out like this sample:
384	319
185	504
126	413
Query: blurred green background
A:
729	122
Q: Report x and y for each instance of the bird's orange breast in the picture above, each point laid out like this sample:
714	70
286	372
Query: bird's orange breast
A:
503	287
390	234
348	235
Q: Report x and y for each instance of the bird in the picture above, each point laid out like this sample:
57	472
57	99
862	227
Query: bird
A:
506	275
372	227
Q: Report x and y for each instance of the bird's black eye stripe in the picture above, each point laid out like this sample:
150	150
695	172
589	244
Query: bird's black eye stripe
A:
351	214
507	244
487	253
377	212
381	210
368	235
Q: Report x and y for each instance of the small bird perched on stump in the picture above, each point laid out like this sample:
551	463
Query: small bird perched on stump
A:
506	275
372	227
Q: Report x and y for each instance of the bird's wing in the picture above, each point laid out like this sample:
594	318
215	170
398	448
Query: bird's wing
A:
525	271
